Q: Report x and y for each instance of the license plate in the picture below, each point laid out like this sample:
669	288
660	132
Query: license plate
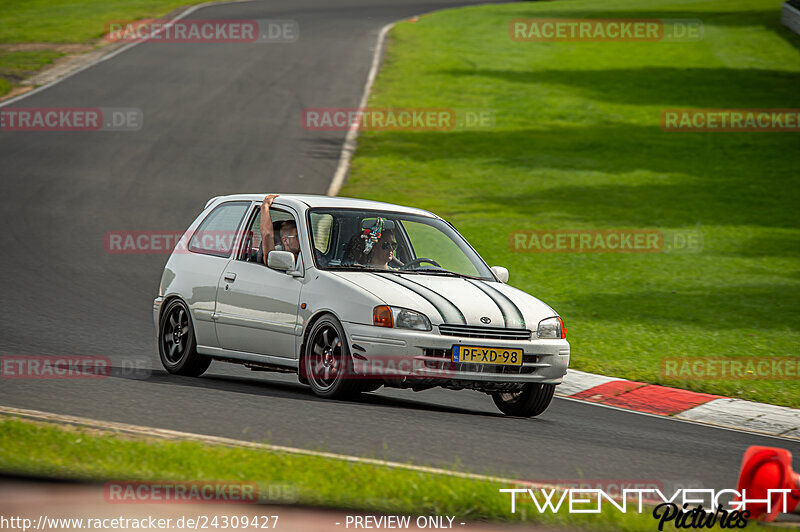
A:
487	355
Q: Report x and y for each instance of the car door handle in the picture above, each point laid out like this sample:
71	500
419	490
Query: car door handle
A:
230	277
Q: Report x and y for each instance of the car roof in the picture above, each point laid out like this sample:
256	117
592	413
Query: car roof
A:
331	202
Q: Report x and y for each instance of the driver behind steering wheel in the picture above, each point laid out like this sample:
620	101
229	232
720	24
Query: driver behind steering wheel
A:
382	252
379	256
374	247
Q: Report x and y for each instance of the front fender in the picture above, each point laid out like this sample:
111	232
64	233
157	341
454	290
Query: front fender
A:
323	292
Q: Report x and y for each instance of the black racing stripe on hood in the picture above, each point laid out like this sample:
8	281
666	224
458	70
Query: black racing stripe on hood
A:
449	312
512	315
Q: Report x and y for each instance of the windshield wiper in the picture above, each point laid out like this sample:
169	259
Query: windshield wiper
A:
346	267
358	267
438	272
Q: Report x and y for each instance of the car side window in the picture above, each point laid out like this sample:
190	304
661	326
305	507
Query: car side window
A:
217	232
251	248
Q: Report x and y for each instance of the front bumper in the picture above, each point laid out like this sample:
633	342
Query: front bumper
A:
425	357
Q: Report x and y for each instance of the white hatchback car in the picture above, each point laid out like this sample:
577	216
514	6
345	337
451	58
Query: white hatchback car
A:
378	295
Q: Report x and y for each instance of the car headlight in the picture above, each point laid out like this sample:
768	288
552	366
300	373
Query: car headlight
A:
400	318
552	328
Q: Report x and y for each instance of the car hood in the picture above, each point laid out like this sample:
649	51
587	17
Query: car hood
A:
455	300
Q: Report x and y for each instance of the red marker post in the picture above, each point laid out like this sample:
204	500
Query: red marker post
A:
765	471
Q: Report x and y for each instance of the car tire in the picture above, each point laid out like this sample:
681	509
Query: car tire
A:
531	401
177	345
327	364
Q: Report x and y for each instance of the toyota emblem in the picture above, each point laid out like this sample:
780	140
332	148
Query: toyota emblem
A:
486	319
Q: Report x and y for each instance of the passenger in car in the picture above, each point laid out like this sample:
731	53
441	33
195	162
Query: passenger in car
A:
288	234
287	231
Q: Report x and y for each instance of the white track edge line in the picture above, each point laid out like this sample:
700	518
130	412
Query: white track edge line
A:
178	435
349	146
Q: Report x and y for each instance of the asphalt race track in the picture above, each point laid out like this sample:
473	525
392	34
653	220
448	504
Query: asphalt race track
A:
224	118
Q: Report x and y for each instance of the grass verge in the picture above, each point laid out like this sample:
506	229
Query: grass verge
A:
76	21
18	65
57	451
577	144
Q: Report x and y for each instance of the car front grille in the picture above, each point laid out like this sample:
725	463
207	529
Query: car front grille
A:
446	363
472	331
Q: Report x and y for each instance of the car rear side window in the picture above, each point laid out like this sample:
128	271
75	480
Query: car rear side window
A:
215	235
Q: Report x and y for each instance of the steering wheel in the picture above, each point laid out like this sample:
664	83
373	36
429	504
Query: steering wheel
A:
418	261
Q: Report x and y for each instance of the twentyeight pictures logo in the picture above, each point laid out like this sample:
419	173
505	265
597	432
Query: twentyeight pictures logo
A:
681	508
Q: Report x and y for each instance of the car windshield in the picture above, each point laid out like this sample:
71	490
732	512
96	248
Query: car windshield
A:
354	239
